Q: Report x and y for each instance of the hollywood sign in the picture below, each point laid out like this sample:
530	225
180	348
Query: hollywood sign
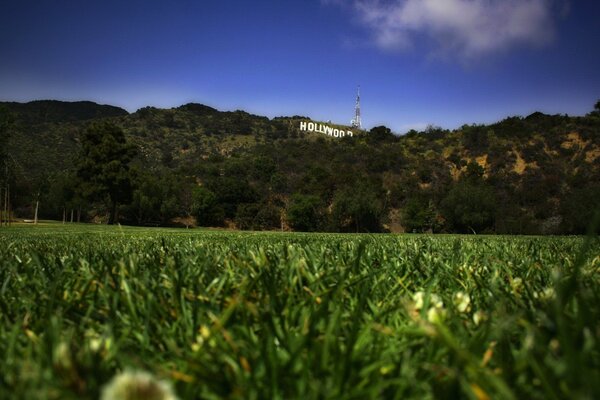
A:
322	128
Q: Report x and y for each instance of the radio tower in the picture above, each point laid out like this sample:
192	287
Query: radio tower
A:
356	120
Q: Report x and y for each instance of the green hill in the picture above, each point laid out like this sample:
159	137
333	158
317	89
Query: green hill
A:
53	111
534	174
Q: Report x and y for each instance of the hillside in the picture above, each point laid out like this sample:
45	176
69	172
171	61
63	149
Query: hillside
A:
534	174
53	111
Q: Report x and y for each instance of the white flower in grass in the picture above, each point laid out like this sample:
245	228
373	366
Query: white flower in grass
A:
462	302
95	342
418	299
547	294
62	356
434	300
479	317
436	315
137	385
516	285
436	312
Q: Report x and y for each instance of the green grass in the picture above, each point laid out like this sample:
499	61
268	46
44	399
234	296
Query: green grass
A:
311	316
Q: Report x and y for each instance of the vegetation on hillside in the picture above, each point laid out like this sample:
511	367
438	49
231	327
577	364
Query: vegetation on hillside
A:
538	174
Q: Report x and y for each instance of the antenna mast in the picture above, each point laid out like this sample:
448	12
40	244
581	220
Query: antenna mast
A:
356	120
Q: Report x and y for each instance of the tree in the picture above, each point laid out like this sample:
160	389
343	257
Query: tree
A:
579	208
305	212
469	207
58	196
151	198
206	208
103	167
5	123
357	209
232	191
420	215
257	216
6	173
380	134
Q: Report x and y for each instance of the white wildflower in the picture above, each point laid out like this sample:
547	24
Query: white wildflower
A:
547	294
62	356
95	344
479	317
436	315
436	311
529	341
554	345
137	385
434	300
462	302
94	341
516	284
418	299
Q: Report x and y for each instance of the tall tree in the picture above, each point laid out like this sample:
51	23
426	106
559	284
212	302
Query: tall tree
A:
6	122
420	215
206	208
357	208
103	167
306	212
470	205
381	134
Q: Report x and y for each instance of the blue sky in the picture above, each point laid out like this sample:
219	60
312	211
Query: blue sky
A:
418	62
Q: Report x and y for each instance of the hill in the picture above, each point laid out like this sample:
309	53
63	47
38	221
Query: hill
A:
534	174
53	111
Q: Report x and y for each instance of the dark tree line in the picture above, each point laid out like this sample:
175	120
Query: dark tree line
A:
521	175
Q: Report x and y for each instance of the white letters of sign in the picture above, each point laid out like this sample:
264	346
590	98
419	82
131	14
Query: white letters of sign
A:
322	128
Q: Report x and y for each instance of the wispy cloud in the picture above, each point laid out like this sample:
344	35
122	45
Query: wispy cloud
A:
465	29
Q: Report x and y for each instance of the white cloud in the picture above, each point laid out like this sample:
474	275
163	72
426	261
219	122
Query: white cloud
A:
462	28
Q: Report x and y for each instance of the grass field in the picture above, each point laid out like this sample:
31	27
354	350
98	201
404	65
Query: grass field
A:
306	316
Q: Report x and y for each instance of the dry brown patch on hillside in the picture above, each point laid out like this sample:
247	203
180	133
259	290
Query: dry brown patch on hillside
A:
590	156
447	152
455	171
520	164
483	163
573	139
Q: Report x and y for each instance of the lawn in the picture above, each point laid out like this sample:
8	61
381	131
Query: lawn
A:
267	315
